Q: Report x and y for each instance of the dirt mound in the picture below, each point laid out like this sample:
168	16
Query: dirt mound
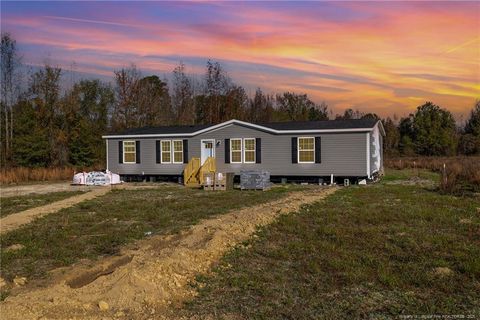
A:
155	274
442	271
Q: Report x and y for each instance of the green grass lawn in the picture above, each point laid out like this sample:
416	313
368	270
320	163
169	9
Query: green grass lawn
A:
101	226
368	252
11	205
409	174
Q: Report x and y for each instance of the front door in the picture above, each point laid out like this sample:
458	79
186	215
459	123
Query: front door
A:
207	149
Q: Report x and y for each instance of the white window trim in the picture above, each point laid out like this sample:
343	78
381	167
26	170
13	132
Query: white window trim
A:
135	152
241	150
201	148
162	152
173	151
298	149
368	156
254	150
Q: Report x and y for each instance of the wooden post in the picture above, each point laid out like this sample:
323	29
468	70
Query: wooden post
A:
444	174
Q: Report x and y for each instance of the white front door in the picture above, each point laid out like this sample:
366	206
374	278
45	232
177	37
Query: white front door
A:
207	148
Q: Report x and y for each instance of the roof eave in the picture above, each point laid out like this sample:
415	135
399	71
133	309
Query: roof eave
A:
380	125
274	131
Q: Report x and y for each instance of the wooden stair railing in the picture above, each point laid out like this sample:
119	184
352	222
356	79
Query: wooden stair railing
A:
191	171
194	173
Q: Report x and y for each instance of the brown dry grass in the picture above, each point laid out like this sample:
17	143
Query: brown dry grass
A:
22	174
458	174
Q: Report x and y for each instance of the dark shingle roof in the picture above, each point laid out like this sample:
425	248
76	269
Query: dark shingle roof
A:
280	126
163	130
321	125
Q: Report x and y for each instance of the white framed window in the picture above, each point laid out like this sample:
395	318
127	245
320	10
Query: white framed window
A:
177	151
306	150
166	151
129	152
249	150
236	150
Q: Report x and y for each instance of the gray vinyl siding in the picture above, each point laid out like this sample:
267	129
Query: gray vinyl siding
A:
147	163
342	154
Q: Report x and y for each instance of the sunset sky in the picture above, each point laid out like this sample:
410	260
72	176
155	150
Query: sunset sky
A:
383	57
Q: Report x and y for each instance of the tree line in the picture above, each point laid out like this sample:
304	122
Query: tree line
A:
45	123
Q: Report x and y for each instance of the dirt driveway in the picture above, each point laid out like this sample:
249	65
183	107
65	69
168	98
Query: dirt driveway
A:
15	220
152	274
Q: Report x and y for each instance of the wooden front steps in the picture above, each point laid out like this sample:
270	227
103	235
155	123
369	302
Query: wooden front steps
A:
194	173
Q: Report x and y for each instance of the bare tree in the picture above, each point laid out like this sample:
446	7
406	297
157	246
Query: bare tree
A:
125	110
10	79
183	96
217	86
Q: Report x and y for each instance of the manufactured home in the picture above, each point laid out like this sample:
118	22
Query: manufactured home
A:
293	150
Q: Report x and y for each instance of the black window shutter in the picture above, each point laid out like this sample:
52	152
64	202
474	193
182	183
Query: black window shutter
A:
294	150
227	150
185	150
137	151
120	151
258	150
157	151
318	150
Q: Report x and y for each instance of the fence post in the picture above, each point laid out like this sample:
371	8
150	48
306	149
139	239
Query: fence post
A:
444	175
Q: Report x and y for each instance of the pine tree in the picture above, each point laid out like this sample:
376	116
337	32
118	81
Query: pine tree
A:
31	147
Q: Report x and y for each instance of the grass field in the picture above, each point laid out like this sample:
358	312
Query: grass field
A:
376	252
11	205
101	226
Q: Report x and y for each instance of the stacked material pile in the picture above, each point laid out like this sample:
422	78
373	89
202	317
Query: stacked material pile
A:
218	181
255	180
96	178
